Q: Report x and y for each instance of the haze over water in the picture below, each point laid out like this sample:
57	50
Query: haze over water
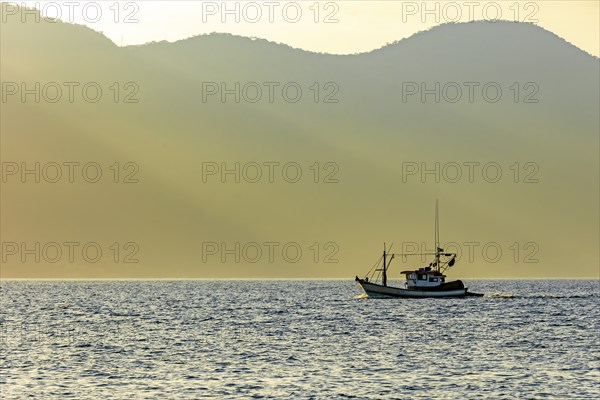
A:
307	339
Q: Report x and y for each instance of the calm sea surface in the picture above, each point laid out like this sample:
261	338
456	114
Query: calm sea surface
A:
296	339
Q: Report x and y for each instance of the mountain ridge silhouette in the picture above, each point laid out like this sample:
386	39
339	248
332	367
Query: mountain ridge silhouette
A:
434	29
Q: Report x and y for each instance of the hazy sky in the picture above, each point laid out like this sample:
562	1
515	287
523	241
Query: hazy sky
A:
152	213
324	26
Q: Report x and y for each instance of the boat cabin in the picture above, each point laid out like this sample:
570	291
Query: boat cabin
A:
424	277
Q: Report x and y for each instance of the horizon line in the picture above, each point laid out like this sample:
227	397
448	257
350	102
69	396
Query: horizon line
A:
268	279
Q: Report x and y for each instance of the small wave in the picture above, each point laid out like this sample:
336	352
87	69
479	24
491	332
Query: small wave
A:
559	296
362	296
500	295
119	314
539	296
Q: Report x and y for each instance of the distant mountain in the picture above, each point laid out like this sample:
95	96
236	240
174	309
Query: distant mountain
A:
369	119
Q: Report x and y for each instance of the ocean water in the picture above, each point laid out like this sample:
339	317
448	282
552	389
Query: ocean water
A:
296	339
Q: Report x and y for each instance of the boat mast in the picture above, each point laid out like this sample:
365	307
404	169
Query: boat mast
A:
437	237
384	276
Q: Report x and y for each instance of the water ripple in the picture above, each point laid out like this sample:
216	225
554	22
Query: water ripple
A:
302	339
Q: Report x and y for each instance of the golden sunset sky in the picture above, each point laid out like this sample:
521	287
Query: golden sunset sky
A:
339	27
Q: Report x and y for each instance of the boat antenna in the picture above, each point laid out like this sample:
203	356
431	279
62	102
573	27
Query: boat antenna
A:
437	237
384	276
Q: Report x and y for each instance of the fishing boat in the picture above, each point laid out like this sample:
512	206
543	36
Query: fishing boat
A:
429	281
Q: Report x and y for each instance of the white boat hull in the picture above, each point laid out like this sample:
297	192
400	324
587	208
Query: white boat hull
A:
375	290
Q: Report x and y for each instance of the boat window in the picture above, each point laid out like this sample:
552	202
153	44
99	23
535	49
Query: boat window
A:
422	277
433	280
